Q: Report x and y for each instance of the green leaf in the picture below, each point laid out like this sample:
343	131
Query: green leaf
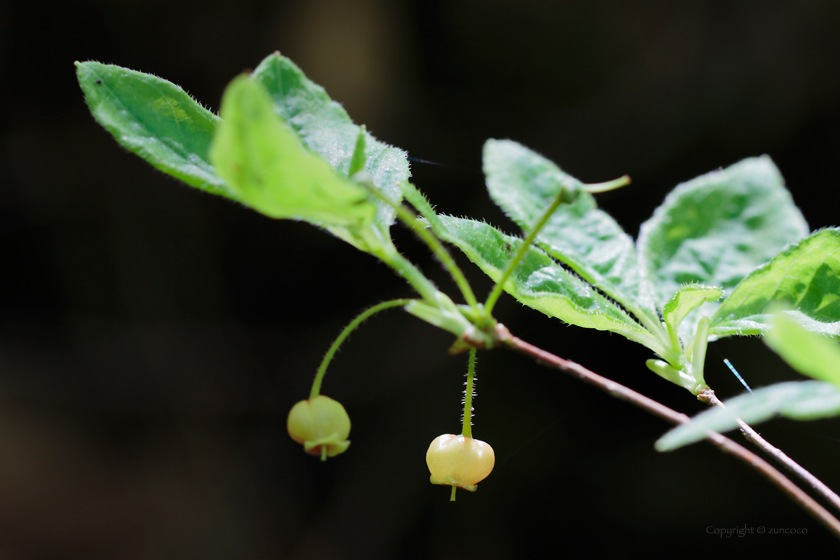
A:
261	159
715	229
806	400
685	300
156	120
807	353
698	350
540	283
588	240
359	159
325	128
676	376
805	277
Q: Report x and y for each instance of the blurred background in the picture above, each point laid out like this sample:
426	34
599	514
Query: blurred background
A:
153	338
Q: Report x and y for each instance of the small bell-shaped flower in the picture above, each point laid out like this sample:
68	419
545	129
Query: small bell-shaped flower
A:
321	425
459	461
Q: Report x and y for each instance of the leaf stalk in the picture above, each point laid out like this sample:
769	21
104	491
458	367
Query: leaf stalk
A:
523	248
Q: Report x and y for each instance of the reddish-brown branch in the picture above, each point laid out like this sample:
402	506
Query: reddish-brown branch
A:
723	443
708	396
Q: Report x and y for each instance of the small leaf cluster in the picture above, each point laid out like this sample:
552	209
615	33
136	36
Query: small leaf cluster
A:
810	354
711	262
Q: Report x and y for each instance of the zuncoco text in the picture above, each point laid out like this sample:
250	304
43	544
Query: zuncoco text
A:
729	532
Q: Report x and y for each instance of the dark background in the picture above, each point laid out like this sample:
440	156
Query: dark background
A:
153	338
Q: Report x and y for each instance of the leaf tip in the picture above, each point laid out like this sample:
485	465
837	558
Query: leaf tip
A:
662	446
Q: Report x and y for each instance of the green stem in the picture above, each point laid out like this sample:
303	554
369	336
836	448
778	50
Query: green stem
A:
526	244
409	273
607	185
452	495
319	377
435	246
466	424
441	253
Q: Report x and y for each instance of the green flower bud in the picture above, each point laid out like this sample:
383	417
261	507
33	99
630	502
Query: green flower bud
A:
459	461
321	425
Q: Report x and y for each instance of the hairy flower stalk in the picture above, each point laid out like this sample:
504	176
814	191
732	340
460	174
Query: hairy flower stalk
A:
461	461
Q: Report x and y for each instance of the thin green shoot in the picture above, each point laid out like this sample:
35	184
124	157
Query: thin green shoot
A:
434	244
523	248
622	181
322	369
